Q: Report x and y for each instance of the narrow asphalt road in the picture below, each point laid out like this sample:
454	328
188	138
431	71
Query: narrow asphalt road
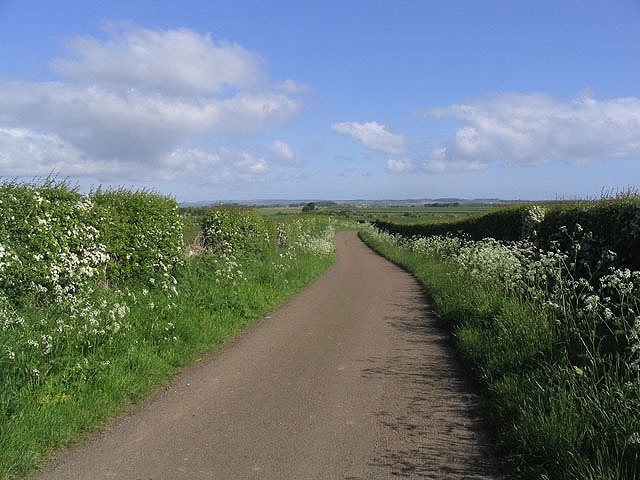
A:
350	379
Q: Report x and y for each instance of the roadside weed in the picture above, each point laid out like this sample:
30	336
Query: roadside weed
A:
553	340
99	303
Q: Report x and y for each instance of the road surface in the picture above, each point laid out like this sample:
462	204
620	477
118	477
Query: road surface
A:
350	379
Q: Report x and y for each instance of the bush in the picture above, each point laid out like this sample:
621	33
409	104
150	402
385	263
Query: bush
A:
142	232
50	247
232	230
599	227
503	223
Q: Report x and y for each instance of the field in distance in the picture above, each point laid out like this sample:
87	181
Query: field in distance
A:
399	211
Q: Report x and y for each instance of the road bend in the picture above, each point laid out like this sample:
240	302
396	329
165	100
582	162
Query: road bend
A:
350	379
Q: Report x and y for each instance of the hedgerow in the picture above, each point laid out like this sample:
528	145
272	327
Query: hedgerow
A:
66	264
232	230
611	224
142	232
99	304
554	341
50	247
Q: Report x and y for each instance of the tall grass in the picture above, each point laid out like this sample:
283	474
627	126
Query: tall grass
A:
556	353
96	314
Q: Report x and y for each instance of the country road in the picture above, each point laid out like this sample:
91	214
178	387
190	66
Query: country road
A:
350	379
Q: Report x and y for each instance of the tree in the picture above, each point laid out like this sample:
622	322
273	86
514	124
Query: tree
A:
309	207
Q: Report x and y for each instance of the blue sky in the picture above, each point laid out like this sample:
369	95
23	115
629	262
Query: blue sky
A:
391	99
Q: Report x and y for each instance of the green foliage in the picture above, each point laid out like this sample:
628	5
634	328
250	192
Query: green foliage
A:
503	223
309	207
609	225
70	361
57	308
558	354
142	232
612	225
49	247
309	234
233	230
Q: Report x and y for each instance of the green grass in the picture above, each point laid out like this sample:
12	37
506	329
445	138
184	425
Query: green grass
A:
423	213
406	213
86	387
434	212
558	408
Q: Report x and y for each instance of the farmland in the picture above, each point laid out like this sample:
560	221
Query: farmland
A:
105	296
398	211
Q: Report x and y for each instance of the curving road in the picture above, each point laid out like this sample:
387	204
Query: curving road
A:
350	379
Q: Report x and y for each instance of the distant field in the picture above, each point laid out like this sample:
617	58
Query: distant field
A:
408	213
399	213
280	211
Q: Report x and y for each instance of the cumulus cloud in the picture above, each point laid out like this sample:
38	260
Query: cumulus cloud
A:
20	147
243	165
189	163
171	61
529	129
400	166
284	154
126	105
374	136
225	166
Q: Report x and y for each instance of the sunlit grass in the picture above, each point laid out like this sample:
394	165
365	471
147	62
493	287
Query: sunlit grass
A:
555	353
69	365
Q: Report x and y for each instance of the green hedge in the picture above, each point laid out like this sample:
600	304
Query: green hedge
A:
606	225
142	232
599	226
48	244
231	230
55	240
504	223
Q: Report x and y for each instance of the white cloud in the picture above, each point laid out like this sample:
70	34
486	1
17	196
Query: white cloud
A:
374	136
226	166
249	164
190	163
284	154
440	166
24	152
290	87
244	166
128	104
518	129
252	112
400	166
171	61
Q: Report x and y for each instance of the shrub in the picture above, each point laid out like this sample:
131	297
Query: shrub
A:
50	247
232	230
597	227
142	232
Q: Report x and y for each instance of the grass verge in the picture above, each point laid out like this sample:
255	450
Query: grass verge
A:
561	396
85	385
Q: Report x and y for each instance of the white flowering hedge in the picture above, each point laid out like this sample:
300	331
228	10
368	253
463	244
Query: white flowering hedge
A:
49	244
66	263
98	303
233	237
231	229
309	234
613	224
53	240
